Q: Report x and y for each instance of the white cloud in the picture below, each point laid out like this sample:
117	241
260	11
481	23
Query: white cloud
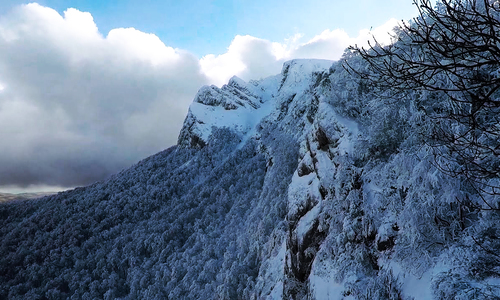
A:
330	44
76	106
253	58
139	45
383	34
247	57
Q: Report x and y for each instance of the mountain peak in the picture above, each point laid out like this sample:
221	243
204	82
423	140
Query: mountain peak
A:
241	105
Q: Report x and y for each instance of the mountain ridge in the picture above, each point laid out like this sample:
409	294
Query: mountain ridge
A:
22	196
240	105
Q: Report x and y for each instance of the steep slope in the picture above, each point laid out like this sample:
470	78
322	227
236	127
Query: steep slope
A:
185	223
304	185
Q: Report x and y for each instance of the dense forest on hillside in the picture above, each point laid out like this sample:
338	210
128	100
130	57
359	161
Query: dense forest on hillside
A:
156	230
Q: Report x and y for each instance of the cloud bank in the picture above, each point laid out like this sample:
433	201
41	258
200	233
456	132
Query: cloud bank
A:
77	106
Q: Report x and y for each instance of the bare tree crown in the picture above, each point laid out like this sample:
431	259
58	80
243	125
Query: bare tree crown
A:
448	59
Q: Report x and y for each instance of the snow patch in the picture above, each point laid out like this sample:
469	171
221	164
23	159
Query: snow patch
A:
326	288
306	222
274	274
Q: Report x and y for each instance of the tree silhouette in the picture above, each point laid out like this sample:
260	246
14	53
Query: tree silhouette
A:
448	61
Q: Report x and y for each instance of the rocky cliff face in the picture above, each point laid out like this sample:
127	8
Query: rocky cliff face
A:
241	106
368	216
293	103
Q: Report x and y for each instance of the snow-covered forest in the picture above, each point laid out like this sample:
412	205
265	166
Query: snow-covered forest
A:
372	177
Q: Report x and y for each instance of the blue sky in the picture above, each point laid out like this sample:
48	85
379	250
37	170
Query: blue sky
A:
204	27
88	88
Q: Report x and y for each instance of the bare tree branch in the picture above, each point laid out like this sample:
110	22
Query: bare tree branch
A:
450	55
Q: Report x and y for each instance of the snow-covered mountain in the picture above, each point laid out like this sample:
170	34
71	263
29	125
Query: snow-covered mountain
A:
303	185
241	106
